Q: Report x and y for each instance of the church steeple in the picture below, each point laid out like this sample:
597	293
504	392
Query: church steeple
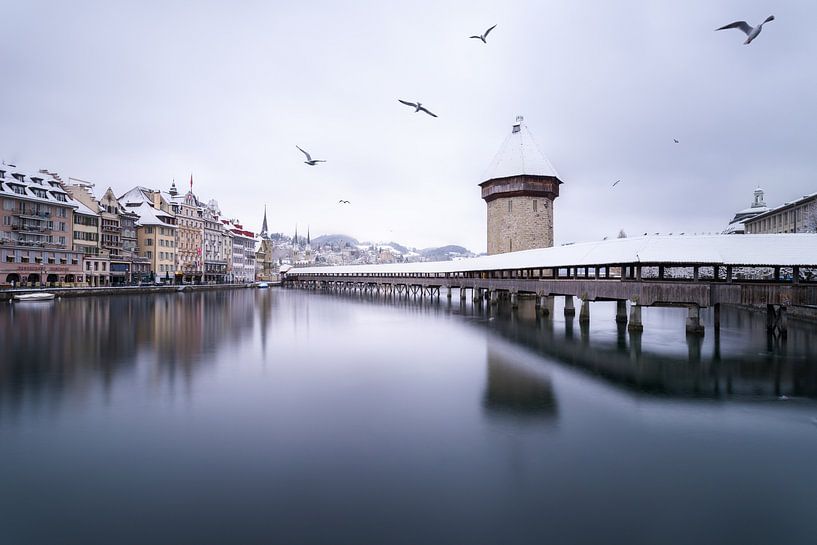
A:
264	233
308	239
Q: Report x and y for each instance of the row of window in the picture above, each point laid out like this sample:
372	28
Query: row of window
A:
96	265
82	235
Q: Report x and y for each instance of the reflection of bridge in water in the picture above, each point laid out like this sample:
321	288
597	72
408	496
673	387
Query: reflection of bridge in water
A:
775	271
742	361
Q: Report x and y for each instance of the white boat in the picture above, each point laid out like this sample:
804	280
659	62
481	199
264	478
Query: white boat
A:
262	285
42	296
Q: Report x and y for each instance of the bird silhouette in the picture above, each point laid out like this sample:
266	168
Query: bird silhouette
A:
343	202
615	184
418	107
751	32
675	140
484	35
309	160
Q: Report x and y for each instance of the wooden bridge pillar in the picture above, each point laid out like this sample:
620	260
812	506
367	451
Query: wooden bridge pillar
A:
448	292
462	293
494	297
584	313
693	325
545	305
570	310
476	296
717	316
621	312
635	325
514	300
776	322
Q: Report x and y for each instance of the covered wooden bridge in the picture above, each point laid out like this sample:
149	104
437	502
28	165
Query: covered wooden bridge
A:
775	271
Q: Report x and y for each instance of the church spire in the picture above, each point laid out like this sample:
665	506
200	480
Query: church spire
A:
264	224
308	240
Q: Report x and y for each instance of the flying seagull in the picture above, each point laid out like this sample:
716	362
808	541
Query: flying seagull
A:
343	202
309	160
751	32
615	184
417	107
485	35
675	140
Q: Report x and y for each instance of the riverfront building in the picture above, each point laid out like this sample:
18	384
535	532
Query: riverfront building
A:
519	189
36	230
738	224
190	230
155	230
798	216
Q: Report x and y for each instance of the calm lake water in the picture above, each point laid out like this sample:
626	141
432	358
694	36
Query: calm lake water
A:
284	416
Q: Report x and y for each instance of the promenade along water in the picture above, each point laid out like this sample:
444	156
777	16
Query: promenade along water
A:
285	416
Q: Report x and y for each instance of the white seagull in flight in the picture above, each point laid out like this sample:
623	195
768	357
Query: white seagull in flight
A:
309	160
751	32
485	35
417	107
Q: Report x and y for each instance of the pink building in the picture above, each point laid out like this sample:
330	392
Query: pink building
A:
36	231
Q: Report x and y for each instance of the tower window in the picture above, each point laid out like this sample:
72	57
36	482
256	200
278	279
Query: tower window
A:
534	206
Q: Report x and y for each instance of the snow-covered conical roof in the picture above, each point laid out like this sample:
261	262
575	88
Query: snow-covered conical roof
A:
519	156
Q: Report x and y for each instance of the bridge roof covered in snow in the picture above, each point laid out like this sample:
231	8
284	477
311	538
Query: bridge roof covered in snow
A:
748	250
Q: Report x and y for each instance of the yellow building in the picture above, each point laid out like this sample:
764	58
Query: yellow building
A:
155	231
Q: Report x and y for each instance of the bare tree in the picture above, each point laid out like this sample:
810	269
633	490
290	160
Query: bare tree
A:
622	234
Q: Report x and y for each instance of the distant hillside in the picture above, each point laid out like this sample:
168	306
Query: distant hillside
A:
334	239
444	253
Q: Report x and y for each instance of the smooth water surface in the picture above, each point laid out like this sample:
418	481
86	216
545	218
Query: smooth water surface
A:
284	416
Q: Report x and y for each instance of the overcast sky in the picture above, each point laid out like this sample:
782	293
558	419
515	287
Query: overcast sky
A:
126	93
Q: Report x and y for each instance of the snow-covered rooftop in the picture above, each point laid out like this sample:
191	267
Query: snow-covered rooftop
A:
757	250
150	216
519	155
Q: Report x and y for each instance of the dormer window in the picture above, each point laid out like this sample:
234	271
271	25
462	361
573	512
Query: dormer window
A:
19	177
20	190
60	197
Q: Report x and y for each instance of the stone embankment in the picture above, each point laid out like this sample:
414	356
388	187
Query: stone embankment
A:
6	295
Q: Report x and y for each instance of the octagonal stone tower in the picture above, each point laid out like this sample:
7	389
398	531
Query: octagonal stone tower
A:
519	189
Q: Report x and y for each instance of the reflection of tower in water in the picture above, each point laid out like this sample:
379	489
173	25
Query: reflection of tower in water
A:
513	388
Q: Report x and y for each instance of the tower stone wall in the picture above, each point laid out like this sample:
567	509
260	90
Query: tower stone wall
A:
519	189
519	223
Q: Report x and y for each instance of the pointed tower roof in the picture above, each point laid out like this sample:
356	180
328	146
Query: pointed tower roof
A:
519	156
263	233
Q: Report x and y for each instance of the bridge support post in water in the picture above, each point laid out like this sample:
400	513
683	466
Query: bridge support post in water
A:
621	312
494	297
476	296
584	312
570	310
514	300
448	292
694	326
635	325
776	320
462	294
717	316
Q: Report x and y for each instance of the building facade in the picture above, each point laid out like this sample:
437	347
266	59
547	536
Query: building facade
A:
798	216
738	224
215	264
36	230
190	233
155	231
243	253
519	190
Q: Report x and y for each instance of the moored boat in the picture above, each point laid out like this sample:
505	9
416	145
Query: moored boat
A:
42	296
262	285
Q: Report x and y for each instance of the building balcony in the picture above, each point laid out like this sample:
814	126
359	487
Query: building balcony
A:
111	228
30	229
30	214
